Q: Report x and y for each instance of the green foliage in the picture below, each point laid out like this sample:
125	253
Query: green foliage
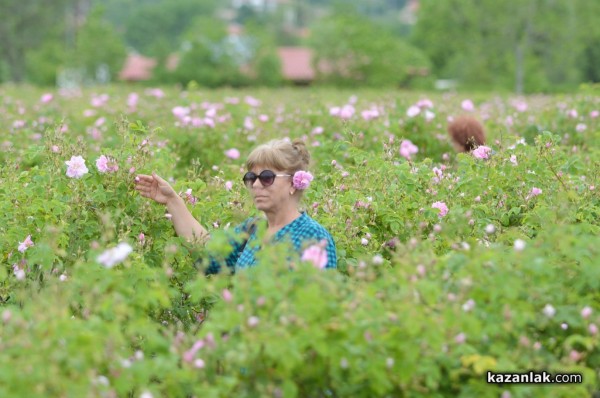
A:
421	305
150	22
25	26
529	46
525	47
211	59
351	49
44	63
264	63
98	45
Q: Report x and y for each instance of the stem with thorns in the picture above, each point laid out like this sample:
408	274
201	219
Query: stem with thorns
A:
556	174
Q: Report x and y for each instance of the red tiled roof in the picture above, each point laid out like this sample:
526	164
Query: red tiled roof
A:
235	30
296	63
137	67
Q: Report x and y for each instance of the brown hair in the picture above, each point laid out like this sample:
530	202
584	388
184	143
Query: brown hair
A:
467	132
282	155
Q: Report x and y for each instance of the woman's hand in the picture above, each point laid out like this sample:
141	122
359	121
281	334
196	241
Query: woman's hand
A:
155	188
160	191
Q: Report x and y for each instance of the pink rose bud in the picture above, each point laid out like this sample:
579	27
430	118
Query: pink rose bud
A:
460	338
6	316
575	356
586	312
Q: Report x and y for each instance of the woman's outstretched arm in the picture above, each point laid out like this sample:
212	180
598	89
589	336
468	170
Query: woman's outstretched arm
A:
159	190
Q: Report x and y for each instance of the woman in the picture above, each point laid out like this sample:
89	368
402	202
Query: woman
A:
276	179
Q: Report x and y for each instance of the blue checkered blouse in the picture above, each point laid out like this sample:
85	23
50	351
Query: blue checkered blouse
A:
302	232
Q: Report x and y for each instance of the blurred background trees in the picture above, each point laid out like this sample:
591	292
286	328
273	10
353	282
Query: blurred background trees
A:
147	21
25	26
527	45
354	49
516	45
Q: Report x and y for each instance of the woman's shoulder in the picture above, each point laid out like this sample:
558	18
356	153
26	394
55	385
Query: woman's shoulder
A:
311	227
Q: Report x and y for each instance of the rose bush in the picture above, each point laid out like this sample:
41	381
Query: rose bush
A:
99	298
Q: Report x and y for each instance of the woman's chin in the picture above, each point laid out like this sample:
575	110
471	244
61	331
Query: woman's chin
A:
260	204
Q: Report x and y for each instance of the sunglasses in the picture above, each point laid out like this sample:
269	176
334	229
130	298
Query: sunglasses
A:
266	177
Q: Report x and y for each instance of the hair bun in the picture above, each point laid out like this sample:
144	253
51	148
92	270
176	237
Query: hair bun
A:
300	146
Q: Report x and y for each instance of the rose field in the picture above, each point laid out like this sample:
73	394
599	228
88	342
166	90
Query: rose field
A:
449	265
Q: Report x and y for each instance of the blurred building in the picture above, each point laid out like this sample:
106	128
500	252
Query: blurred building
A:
408	15
267	5
137	68
297	62
296	65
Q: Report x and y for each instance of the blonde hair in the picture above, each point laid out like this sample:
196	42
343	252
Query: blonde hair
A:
281	155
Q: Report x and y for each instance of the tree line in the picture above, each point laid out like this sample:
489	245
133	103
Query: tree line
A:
517	45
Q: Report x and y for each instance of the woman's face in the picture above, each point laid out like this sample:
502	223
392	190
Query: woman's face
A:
271	197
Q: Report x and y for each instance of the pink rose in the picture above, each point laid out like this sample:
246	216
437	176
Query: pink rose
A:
302	179
76	167
586	312
534	192
346	112
25	244
316	255
106	164
413	111
467	105
46	98
102	164
227	295
442	208
407	149
248	124
180	111
232	153
425	103
369	114
482	152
